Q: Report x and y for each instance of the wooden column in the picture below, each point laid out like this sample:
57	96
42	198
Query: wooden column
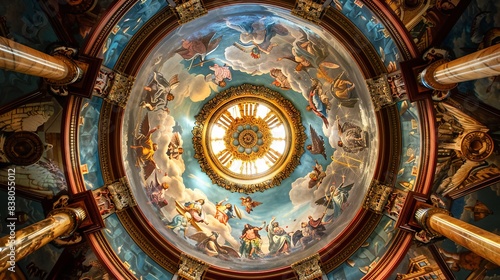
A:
58	69
438	222
443	75
60	222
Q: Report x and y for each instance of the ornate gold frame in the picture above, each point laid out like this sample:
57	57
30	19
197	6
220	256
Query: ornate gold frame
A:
281	169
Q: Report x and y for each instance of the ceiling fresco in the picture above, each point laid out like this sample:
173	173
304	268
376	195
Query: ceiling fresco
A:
265	47
224	51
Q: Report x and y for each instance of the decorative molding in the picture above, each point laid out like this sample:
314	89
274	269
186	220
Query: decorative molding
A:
309	10
70	140
380	91
422	216
120	90
190	10
121	194
148	239
426	77
397	84
104	143
352	241
191	268
21	148
377	197
308	268
76	215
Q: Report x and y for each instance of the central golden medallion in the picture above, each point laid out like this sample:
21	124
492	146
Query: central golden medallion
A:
247	138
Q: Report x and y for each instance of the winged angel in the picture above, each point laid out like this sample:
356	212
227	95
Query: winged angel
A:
145	148
318	143
209	245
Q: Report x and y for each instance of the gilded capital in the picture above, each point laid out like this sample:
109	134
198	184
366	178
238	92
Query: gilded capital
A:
422	216
308	268
76	215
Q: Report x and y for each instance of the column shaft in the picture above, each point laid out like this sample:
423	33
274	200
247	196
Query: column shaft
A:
19	58
479	241
19	244
481	64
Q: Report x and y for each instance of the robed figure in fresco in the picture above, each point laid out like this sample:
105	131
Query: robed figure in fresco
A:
251	241
256	36
280	241
224	211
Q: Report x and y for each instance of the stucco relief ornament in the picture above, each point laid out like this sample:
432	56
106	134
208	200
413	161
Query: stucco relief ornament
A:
308	268
380	91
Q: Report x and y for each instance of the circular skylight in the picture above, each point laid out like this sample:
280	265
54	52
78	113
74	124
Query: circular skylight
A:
246	139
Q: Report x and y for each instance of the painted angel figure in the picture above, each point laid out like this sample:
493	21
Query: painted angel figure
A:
316	176
317	147
280	80
256	37
220	76
175	149
198	47
249	203
335	199
342	90
318	104
309	52
158	92
145	148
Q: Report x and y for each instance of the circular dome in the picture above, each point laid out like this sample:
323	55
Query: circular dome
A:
183	167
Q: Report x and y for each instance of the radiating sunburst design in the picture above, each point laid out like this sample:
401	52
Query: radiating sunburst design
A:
245	138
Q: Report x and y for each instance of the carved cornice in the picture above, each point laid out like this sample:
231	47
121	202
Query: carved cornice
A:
380	91
190	10
106	254
309	10
104	142
120	89
342	248
148	239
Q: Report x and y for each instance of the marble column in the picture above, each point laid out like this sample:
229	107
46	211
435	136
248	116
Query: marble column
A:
437	222
57	69
443	75
18	244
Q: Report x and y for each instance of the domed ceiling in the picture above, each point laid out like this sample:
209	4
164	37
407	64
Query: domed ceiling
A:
249	138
